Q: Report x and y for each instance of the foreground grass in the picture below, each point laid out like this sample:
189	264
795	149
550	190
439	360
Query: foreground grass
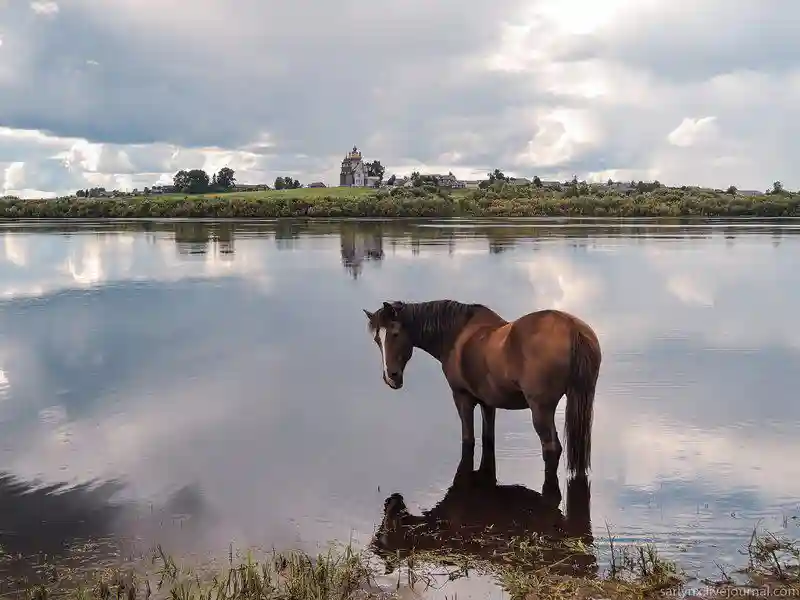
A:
498	201
343	573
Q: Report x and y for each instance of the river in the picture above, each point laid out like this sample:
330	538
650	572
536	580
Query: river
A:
216	384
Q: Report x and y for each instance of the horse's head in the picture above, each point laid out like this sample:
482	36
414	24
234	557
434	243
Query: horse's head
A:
393	340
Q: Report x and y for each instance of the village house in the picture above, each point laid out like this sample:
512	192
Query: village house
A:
354	171
448	181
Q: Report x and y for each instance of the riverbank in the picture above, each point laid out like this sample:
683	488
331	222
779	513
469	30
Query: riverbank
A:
343	573
499	201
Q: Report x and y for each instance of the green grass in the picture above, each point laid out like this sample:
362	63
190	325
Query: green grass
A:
299	193
343	573
499	201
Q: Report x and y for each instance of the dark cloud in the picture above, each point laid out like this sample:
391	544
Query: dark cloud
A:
408	84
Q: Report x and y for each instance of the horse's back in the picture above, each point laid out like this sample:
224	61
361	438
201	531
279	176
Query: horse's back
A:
494	358
543	332
537	352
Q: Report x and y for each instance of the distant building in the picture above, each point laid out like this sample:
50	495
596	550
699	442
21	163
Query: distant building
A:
621	188
448	181
317	184
163	189
354	171
551	185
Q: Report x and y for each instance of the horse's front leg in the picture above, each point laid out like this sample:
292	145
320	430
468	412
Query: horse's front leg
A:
465	405
488	467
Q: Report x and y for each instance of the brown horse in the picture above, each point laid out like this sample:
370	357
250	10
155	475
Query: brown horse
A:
488	361
479	519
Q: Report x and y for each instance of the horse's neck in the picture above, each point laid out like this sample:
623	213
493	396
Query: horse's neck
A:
434	333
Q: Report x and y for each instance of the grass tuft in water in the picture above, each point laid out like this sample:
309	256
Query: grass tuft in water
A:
773	559
343	573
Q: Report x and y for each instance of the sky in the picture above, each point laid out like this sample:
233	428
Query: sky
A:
122	94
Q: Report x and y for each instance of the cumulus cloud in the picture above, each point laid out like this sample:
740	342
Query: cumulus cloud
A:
692	131
45	8
111	97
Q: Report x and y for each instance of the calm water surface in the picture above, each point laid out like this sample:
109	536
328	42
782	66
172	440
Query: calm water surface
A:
217	382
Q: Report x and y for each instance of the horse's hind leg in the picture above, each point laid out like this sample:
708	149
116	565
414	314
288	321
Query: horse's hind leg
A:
544	422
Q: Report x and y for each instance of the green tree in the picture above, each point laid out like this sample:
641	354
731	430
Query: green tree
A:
181	180
391	179
777	188
198	182
536	181
286	183
731	190
496	175
376	169
225	179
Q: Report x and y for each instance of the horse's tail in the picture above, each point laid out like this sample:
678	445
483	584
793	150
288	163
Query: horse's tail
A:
584	370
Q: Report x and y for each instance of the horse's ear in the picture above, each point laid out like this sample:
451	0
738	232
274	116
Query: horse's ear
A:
389	310
369	314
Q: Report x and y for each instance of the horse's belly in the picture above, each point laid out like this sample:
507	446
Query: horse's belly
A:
503	398
511	401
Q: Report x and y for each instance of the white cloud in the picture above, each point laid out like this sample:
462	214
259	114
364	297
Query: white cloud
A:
14	176
693	131
45	8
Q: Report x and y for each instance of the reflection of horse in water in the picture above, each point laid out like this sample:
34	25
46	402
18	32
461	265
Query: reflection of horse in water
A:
479	519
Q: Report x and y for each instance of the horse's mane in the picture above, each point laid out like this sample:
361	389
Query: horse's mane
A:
434	317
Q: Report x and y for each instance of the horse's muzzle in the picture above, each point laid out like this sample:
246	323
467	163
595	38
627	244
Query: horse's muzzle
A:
395	382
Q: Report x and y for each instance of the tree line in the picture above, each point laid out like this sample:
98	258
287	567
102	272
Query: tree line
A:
196	181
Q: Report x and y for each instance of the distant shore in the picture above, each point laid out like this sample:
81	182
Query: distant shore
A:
497	201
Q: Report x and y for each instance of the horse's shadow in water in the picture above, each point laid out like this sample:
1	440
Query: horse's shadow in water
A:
479	519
